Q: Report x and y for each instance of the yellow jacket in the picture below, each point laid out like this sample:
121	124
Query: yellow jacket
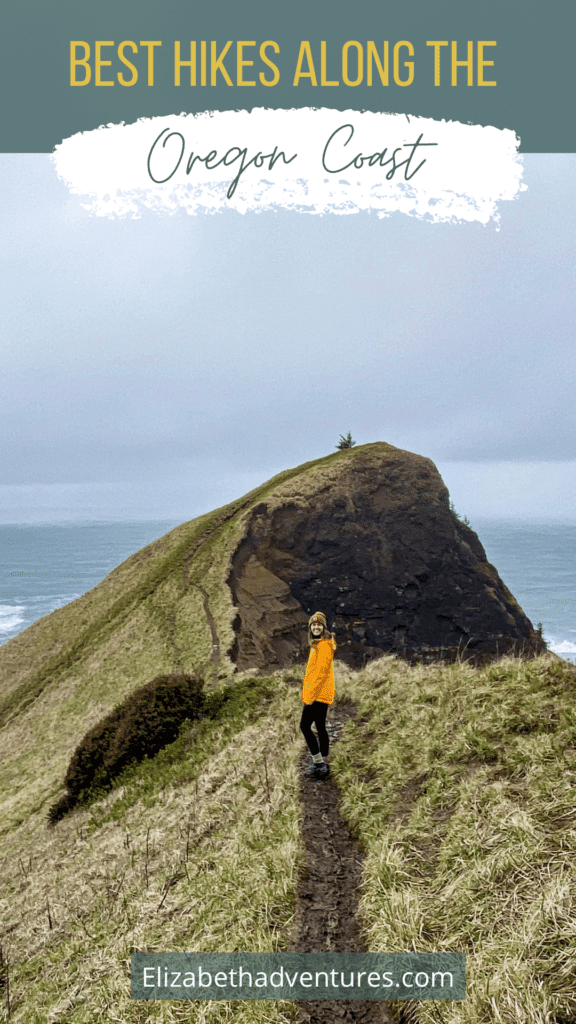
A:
319	676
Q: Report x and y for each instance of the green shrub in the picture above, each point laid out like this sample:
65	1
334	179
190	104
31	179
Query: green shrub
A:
61	807
215	701
143	724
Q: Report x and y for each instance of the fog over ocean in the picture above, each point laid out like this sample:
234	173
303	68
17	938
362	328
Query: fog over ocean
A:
45	566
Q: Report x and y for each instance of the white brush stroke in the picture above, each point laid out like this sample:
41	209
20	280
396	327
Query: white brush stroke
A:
466	174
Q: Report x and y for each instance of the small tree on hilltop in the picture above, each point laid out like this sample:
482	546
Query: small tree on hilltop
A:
345	442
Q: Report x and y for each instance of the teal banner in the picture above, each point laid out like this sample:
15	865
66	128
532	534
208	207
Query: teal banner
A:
308	976
71	65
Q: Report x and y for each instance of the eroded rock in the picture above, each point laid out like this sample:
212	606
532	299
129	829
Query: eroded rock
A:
370	539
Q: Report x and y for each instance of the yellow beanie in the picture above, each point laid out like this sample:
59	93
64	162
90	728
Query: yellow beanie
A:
318	617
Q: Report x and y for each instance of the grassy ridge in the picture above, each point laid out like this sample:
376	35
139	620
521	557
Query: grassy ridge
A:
458	780
184	557
64	673
461	784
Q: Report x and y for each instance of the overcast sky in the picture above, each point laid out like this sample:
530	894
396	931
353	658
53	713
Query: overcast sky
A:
164	365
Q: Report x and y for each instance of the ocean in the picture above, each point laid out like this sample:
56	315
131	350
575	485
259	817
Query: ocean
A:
43	567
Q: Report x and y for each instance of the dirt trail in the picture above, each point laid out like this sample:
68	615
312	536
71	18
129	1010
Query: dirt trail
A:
326	918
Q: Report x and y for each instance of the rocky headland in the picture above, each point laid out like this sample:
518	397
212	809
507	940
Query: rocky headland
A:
370	539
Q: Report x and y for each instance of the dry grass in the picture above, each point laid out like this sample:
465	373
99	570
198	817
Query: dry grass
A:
209	866
460	783
458	780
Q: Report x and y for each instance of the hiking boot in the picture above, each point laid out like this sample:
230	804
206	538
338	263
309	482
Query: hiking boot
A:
322	771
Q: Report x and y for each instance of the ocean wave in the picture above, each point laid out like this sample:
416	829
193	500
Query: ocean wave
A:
11	617
563	647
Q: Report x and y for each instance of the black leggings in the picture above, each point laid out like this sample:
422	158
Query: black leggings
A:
316	713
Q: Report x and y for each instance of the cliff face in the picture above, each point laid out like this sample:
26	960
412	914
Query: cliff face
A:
370	540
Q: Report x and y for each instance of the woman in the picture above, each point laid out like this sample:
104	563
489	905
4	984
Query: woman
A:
318	692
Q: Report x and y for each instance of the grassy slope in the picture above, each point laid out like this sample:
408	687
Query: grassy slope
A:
65	672
458	780
197	850
461	784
